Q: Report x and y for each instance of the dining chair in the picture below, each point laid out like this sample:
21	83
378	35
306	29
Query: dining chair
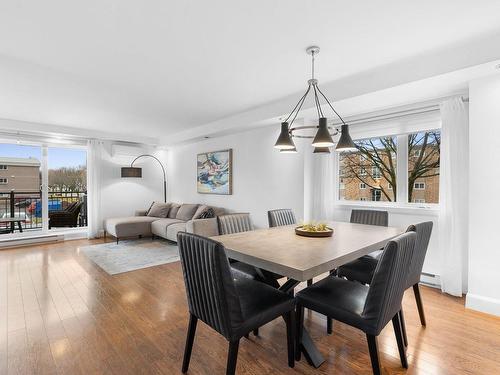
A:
280	217
232	307
362	269
368	308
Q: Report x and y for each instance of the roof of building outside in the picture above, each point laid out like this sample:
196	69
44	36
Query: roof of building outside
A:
25	162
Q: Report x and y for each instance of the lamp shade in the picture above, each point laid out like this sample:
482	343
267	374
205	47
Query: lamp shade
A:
284	141
345	142
321	150
289	151
323	137
131	172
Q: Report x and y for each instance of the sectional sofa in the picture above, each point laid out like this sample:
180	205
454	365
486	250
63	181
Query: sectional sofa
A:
173	218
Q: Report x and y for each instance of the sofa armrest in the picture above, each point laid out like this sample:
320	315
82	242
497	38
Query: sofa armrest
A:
141	212
203	227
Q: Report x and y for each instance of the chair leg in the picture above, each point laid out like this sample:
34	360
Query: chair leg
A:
403	327
309	282
333	272
189	342
396	322
256	332
329	325
373	348
298	332
420	305
232	357
117	239
290	337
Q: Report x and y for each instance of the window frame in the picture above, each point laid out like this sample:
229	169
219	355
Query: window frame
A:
362	187
4	180
4	167
402	202
419	188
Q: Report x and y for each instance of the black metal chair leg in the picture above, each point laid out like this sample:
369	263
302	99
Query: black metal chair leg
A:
396	322
256	332
329	325
290	337
403	327
309	282
420	305
117	239
373	348
189	342
298	332
232	357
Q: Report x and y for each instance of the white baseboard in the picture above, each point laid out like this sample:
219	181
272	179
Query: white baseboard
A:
484	304
24	241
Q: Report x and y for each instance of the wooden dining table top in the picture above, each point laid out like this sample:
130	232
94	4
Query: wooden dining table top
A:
281	251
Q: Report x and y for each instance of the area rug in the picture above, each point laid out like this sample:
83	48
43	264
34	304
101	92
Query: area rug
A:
131	255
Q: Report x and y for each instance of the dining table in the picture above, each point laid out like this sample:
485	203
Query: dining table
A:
298	258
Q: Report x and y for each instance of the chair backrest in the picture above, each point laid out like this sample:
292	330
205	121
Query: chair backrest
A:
234	223
210	288
280	217
370	217
389	282
423	231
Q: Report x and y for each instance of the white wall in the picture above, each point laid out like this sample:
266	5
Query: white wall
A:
484	202
122	196
263	179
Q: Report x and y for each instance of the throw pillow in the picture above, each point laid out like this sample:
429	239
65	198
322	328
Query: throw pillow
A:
159	209
201	208
173	210
186	212
207	214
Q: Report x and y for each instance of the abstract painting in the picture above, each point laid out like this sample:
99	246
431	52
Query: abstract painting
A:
215	172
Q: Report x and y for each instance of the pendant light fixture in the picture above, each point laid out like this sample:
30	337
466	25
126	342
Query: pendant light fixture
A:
323	138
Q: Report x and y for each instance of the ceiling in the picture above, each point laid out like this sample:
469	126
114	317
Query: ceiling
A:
162	67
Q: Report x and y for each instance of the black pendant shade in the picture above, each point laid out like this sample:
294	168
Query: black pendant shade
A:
132	172
284	141
323	137
321	150
345	142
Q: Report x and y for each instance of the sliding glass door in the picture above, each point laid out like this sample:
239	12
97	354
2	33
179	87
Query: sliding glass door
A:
41	187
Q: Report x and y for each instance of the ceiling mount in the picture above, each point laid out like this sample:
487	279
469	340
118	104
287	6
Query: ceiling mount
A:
312	50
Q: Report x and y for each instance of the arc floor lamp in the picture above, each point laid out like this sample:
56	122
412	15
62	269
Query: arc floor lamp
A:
136	172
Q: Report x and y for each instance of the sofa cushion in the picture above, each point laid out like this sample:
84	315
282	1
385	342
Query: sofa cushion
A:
173	229
159	226
174	207
159	209
129	226
186	212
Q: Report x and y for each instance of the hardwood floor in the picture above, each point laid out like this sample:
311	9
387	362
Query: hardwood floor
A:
61	314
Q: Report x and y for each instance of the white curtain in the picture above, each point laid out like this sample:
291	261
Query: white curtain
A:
453	196
94	171
319	189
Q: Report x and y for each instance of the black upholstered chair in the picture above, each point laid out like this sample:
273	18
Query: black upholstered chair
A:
280	217
241	222
232	307
368	308
362	269
370	217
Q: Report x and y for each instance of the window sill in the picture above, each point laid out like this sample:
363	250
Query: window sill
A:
414	209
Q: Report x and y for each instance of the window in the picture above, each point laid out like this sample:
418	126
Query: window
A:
376	195
374	166
366	169
4	181
3	167
362	199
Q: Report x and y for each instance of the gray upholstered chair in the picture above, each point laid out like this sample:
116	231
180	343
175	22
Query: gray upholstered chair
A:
280	217
362	269
232	307
370	217
368	308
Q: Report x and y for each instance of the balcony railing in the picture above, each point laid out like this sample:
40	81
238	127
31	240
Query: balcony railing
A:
27	206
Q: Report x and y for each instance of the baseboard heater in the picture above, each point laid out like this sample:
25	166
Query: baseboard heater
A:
430	279
16	242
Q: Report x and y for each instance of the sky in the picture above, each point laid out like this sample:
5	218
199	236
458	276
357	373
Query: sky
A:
58	157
